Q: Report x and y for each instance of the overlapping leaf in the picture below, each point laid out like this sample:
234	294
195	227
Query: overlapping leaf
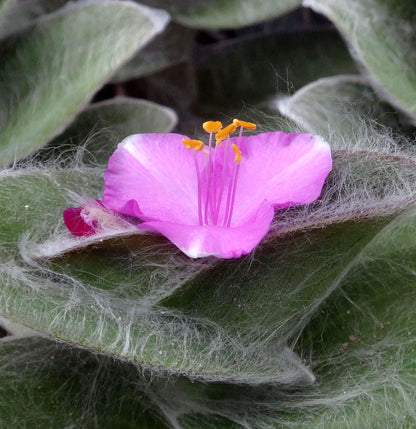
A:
4	5
224	13
344	103
50	71
23	14
96	131
256	69
361	345
333	281
51	385
382	34
148	302
107	300
171	47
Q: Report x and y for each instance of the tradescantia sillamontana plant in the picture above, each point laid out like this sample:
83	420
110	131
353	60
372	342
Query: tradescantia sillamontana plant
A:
310	324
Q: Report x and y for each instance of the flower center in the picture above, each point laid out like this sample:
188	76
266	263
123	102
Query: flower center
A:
217	181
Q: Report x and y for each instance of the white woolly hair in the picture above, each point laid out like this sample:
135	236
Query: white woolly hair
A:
183	359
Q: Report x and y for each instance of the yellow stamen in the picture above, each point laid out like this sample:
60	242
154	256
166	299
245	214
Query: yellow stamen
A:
244	124
193	144
225	132
237	151
212	126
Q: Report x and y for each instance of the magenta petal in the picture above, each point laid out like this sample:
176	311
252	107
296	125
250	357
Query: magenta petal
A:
199	241
153	177
75	223
285	169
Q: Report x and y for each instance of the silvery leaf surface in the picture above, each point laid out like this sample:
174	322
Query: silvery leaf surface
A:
382	36
49	72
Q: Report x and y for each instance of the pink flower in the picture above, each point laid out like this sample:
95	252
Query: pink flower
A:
214	199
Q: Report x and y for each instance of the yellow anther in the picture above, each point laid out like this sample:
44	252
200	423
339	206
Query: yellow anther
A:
244	124
237	151
193	144
212	126
225	132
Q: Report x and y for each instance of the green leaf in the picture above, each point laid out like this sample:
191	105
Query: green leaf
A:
171	47
339	106
4	6
307	256
146	301
256	69
50	385
22	14
363	340
217	14
68	303
50	72
360	343
382	34
101	126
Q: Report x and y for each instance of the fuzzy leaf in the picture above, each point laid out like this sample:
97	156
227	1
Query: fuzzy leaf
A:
23	14
171	47
4	6
49	72
101	126
50	385
267	297
257	69
224	13
341	103
107	300
361	343
382	34
363	339
147	302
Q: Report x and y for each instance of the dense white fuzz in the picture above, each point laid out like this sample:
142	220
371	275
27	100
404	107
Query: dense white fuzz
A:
125	316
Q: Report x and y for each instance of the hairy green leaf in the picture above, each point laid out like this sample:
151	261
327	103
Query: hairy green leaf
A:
50	71
23	14
171	47
107	299
224	13
341	103
101	126
363	339
360	343
4	6
144	300
50	385
256	69
382	34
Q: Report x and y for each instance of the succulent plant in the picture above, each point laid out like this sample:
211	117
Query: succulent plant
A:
118	328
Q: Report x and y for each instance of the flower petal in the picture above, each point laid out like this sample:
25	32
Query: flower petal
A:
153	177
199	241
92	218
285	169
75	222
